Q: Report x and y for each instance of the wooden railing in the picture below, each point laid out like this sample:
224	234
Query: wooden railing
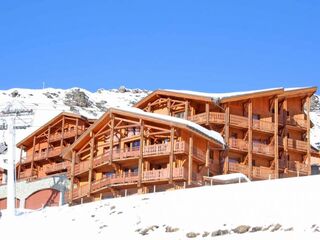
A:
294	166
257	172
263	125
43	155
267	149
238	121
295	121
27	174
297	144
56	167
238	144
67	134
213	117
129	178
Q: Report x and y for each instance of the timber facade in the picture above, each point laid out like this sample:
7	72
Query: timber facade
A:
127	152
267	132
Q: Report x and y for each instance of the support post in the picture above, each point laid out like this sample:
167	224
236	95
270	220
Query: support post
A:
62	132
111	139
141	153
276	139
250	140
186	109
169	106
33	153
48	142
73	162
190	159
20	162
171	157
77	130
91	162
308	136
207	113
207	155
226	138
285	138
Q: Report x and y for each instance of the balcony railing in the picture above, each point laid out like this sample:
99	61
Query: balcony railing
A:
27	174
120	154
295	121
43	155
295	144
239	121
213	117
129	178
257	172
66	134
238	144
57	167
262	148
262	125
294	166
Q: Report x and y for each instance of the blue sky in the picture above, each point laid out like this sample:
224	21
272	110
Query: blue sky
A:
202	45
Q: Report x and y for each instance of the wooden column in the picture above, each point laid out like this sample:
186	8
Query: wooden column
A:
250	140
171	157
111	138
226	138
190	160
77	131
73	162
91	162
308	136
149	107
285	133
169	106
207	113
207	155
33	153
141	153
62	131
276	138
186	109
48	142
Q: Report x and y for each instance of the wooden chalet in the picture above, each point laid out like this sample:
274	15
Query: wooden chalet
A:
130	151
41	151
267	132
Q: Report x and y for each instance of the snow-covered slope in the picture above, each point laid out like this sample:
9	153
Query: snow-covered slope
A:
315	118
38	106
271	209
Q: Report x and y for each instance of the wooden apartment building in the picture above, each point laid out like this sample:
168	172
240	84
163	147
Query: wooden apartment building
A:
41	151
130	151
267	132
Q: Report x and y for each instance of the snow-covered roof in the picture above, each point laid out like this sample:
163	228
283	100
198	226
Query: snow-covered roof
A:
196	127
219	96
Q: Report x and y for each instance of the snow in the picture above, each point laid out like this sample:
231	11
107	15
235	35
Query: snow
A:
292	203
209	133
220	96
49	102
315	130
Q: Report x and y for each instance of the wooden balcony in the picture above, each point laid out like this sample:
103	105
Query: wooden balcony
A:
263	126
297	122
293	144
257	172
43	155
129	178
26	174
148	151
56	167
298	168
261	148
239	121
203	118
67	134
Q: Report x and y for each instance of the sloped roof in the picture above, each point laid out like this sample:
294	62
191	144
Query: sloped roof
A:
44	127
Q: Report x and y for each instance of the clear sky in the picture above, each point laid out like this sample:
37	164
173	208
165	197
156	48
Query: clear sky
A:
206	45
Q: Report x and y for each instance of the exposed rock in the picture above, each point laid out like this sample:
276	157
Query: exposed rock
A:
241	229
77	98
15	93
101	106
289	229
267	228
148	229
219	233
171	229
276	228
315	103
122	89
205	234
256	229
192	235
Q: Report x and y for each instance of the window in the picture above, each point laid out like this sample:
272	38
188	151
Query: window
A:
179	115
256	116
136	143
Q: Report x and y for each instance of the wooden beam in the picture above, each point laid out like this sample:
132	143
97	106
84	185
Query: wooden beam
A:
250	140
20	161
62	132
226	138
186	109
77	131
111	139
48	142
207	113
141	153
285	138
276	138
169	106
91	162
308	136
207	155
171	157
33	153
73	162
190	159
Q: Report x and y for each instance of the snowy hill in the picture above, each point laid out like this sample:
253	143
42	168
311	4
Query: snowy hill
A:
37	106
315	118
271	209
